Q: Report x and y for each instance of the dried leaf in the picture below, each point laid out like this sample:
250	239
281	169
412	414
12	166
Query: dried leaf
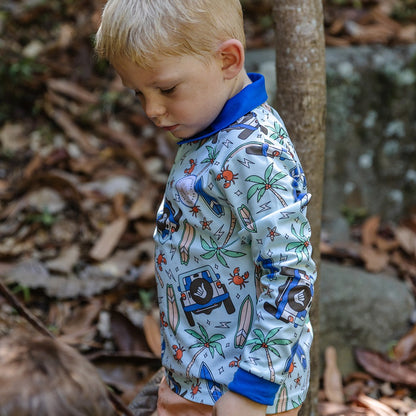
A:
382	368
406	346
386	245
71	129
72	90
13	138
66	261
369	230
407	34
407	240
127	336
379	408
374	259
335	409
396	404
332	377
151	328
109	239
29	273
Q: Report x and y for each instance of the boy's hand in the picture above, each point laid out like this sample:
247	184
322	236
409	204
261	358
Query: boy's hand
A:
233	404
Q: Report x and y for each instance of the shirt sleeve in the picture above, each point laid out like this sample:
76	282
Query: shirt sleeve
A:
272	214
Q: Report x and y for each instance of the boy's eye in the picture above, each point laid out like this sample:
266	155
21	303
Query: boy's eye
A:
167	91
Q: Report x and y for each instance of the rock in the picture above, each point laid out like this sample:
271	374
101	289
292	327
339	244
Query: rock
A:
359	309
370	140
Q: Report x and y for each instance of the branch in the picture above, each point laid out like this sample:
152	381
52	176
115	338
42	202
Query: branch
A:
23	311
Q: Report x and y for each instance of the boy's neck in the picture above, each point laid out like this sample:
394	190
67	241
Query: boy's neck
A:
240	82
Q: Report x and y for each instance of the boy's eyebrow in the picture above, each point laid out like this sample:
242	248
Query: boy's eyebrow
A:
165	80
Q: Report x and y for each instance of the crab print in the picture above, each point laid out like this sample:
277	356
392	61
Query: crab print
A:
228	176
178	353
237	279
160	260
196	388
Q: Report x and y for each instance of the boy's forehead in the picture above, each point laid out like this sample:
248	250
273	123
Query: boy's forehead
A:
163	70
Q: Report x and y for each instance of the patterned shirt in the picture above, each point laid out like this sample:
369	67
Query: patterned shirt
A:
233	260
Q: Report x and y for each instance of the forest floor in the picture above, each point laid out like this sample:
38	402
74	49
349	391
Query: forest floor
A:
81	175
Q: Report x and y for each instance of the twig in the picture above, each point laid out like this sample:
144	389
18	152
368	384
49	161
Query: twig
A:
22	310
40	327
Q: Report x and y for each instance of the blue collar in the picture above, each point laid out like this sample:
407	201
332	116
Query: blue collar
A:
236	107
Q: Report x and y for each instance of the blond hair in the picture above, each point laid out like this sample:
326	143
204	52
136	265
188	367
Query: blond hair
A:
143	30
43	377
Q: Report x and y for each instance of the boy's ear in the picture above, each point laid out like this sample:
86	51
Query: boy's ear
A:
231	54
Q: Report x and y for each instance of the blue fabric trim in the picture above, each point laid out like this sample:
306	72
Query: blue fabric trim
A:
254	388
242	103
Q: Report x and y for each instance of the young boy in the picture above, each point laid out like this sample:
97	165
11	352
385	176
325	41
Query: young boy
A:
40	376
233	258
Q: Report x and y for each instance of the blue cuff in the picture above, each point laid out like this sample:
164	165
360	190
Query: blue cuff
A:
254	388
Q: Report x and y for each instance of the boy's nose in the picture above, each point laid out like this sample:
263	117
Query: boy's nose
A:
154	109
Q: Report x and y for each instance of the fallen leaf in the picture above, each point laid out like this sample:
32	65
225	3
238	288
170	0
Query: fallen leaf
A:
382	368
407	240
332	377
71	89
127	336
375	260
151	327
66	261
396	404
406	346
369	230
109	239
335	409
13	137
379	408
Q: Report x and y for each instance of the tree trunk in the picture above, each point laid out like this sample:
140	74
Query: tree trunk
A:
301	101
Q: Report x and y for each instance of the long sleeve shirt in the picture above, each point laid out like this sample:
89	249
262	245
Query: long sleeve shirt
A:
233	260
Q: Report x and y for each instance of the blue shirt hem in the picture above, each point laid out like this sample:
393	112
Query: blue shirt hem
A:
254	388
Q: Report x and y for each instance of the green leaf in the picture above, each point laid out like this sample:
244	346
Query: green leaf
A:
198	345
221	259
293	245
274	351
252	191
259	334
214	243
205	245
204	332
302	229
261	193
268	172
231	253
216	337
256	179
218	347
272	333
208	255
194	334
279	342
277	177
256	347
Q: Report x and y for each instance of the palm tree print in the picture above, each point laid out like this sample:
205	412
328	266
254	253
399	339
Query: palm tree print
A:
204	341
267	183
267	343
212	154
215	250
300	246
278	132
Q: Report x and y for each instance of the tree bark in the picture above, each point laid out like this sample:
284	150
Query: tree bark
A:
301	101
